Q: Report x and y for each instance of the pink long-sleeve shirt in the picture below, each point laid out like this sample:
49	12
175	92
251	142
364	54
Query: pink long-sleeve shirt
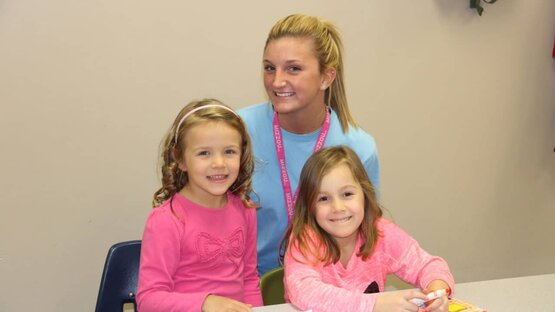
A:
324	288
194	251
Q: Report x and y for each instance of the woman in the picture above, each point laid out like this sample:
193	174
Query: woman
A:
307	109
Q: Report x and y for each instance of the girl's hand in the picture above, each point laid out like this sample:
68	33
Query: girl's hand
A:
214	303
398	301
441	304
438	305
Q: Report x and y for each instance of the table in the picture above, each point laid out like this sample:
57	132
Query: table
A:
529	293
534	293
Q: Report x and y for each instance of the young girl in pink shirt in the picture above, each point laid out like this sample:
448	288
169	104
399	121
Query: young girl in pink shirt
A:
199	244
340	249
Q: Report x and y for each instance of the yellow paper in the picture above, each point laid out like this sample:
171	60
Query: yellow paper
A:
453	307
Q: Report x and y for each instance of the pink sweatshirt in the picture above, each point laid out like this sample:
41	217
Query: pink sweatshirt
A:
200	251
324	288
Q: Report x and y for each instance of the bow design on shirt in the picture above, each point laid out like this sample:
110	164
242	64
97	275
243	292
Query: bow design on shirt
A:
211	248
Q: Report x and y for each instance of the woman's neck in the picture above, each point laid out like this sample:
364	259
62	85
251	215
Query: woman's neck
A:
302	123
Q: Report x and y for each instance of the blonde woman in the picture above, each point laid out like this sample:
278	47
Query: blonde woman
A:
307	110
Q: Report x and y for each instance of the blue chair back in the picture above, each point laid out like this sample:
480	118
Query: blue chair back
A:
119	278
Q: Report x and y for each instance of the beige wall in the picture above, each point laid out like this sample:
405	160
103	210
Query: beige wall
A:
462	108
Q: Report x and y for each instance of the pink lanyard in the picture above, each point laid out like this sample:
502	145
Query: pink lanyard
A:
287	193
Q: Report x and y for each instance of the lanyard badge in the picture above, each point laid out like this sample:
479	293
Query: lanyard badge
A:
285	182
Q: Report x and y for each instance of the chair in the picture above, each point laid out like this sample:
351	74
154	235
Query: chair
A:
119	278
271	286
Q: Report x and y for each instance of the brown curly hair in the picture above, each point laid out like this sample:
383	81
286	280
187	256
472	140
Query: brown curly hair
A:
173	146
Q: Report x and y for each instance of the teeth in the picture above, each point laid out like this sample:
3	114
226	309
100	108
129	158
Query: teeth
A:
217	177
284	93
341	220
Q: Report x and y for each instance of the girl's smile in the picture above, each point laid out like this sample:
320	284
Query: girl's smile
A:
341	220
339	207
212	161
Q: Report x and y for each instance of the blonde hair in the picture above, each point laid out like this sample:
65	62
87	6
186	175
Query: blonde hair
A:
173	145
329	52
304	233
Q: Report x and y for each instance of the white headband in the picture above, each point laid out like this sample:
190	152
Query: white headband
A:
197	109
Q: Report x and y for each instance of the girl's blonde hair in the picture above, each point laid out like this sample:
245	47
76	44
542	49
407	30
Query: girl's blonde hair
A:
173	145
328	49
304	233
